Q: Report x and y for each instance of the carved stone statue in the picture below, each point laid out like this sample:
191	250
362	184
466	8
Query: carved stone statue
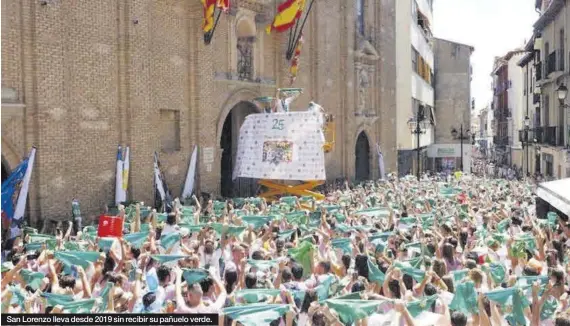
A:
363	84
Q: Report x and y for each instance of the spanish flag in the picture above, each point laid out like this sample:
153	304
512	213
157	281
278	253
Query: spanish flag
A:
224	5
208	22
294	69
287	13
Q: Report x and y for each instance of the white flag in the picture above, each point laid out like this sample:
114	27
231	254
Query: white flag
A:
126	162
158	179
381	162
119	196
190	176
23	195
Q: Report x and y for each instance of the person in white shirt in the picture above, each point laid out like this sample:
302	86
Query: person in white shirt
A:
189	299
282	104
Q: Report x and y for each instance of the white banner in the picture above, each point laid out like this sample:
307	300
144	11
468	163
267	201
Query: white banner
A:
190	176
281	146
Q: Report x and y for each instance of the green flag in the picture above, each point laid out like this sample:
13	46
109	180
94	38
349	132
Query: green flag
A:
351	310
256	314
302	254
81	258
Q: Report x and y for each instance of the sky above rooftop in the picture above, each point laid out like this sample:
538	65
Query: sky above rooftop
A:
493	27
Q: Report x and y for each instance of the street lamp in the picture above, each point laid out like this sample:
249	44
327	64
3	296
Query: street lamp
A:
537	155
416	129
562	93
461	135
524	141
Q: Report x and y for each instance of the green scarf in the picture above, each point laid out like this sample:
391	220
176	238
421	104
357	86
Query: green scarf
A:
81	258
465	298
33	279
351	310
136	240
163	259
302	254
249	296
256	221
518	299
343	243
195	275
256	314
417	274
263	264
374	273
418	306
167	241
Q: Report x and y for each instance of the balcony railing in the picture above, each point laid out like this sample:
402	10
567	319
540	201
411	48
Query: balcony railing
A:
550	136
560	59
538	71
551	63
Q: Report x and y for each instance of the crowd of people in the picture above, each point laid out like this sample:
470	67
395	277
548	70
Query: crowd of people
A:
460	251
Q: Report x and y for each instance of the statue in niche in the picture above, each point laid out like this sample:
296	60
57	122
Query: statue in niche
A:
363	84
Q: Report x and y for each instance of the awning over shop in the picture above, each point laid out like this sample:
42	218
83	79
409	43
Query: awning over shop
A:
556	193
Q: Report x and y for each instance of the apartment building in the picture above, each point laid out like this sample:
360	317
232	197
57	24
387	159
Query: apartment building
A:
507	106
547	68
453	107
414	82
485	136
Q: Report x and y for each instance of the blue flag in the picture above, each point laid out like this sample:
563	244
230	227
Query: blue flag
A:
11	189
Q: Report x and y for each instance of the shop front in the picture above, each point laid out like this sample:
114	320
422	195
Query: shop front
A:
447	157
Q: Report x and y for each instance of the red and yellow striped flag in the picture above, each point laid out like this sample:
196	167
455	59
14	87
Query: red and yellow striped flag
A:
294	69
208	22
287	13
224	5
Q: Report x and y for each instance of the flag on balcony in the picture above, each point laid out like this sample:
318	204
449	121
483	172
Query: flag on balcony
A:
15	190
208	22
294	69
287	14
223	5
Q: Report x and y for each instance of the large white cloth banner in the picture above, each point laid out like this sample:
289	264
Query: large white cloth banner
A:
281	146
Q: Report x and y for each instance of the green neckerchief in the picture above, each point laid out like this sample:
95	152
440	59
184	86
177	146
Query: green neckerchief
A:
33	279
285	235
104	295
517	298
331	208
167	241
379	245
82	306
136	240
299	218
416	262
106	243
350	296
256	221
192	228
302	254
459	275
498	272
548	308
18	295
194	275
380	235
81	258
529	280
54	299
339	217
374	273
465	298
502	225
374	212
324	290
163	259
249	296
256	314
343	243
263	264
74	246
232	230
289	200
416	307
351	310
417	274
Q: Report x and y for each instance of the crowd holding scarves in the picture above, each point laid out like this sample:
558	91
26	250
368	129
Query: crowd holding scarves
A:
468	251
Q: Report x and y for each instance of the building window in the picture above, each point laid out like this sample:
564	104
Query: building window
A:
169	130
561	51
546	111
414	59
245	58
360	16
414	9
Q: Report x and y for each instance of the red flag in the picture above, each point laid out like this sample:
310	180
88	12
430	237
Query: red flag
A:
208	22
224	5
294	69
287	14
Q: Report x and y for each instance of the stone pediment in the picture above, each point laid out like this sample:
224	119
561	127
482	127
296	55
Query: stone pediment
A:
366	117
366	51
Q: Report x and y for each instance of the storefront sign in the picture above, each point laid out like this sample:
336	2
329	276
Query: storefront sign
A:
446	151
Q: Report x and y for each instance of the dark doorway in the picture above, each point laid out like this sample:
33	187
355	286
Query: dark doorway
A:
5	172
362	157
241	187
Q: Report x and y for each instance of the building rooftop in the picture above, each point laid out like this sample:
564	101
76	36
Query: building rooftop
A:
458	43
549	14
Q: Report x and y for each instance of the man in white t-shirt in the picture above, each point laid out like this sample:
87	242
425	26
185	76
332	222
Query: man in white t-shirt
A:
282	104
189	299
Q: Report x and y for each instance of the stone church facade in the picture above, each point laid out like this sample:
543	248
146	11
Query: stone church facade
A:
81	77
